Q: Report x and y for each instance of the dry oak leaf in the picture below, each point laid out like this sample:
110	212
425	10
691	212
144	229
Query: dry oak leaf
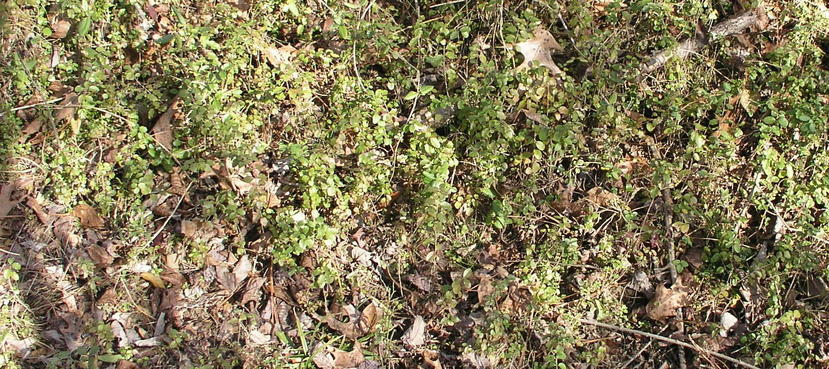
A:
332	358
88	217
666	301
537	50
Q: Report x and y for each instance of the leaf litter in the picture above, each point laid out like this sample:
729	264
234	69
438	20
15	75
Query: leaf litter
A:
537	50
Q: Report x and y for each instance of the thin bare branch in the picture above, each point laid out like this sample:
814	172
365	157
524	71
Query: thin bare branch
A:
669	340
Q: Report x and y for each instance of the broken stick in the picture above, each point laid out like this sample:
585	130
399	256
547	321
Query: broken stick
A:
669	340
729	27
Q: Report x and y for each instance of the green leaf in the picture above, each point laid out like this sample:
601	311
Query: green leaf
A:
410	96
426	89
83	26
164	40
110	358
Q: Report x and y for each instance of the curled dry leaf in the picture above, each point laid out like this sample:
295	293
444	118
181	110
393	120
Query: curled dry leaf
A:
88	217
277	56
163	130
537	50
359	324
332	358
99	255
67	107
416	334
432	359
666	301
421	282
155	280
60	28
485	287
6	203
64	229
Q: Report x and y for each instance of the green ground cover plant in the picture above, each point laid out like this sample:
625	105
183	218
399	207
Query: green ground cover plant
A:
410	184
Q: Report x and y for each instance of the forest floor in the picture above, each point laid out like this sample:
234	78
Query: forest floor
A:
414	184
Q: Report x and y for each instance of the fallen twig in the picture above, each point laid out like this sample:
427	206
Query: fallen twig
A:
668	340
638	353
731	26
668	218
180	199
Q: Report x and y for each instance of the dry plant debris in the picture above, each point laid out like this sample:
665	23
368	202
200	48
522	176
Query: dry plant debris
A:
371	184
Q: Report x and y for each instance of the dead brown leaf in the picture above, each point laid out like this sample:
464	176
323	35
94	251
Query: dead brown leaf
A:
64	229
421	282
100	256
60	28
432	359
88	217
357	326
67	107
6	203
537	50
416	334
485	288
278	56
154	279
332	358
126	364
666	301
163	130
32	203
